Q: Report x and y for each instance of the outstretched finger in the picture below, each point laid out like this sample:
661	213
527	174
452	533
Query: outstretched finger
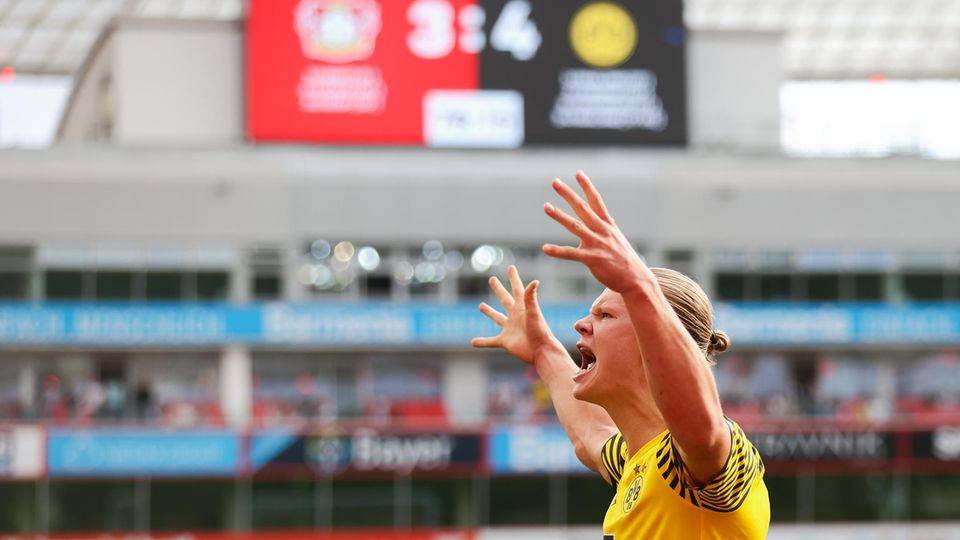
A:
575	226
486	342
494	315
593	197
579	206
530	297
564	252
514	276
501	292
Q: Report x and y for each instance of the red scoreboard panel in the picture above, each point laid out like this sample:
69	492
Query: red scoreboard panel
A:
466	73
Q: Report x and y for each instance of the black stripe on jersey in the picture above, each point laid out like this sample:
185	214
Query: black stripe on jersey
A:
612	457
730	488
727	491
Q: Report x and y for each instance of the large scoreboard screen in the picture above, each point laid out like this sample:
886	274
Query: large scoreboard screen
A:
466	73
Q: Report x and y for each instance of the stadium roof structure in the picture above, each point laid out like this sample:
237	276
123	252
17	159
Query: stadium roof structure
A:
823	39
54	37
846	39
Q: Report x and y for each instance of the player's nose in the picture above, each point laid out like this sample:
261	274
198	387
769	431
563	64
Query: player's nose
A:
583	326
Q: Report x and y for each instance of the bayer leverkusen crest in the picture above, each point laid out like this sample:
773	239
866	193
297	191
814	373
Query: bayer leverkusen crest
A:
338	31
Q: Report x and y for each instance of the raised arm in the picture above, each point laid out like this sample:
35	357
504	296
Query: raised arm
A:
527	336
675	368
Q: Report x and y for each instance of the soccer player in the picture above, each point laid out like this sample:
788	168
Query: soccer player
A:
643	409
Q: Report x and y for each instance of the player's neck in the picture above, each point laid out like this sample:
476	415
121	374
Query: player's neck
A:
638	419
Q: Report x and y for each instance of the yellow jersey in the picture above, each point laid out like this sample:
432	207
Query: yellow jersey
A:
657	499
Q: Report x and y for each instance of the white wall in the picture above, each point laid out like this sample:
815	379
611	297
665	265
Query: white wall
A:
734	83
279	195
179	83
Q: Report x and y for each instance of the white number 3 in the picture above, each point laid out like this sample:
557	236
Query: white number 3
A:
434	35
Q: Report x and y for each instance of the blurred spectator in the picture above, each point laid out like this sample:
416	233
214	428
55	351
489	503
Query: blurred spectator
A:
860	387
115	399
517	395
91	399
929	389
55	404
144	401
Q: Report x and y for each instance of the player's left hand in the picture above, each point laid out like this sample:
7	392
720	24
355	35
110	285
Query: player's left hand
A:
603	248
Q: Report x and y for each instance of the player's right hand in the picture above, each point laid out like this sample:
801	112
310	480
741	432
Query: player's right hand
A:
524	328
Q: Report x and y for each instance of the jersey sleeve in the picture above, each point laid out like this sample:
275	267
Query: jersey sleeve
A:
613	456
729	488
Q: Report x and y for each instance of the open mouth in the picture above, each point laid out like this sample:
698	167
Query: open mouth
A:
587	358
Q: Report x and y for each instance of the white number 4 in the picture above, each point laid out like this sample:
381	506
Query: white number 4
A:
515	33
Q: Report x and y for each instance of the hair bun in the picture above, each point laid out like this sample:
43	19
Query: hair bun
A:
719	342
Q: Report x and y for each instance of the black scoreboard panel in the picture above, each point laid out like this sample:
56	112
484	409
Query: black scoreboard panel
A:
605	72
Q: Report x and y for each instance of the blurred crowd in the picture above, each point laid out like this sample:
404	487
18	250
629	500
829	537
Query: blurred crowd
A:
754	388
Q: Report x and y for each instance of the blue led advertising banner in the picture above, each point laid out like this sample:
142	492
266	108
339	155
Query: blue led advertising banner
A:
130	452
361	324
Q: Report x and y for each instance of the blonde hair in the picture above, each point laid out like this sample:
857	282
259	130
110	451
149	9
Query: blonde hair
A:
693	307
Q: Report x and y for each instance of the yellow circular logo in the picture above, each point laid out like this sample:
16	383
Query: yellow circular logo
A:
632	495
603	34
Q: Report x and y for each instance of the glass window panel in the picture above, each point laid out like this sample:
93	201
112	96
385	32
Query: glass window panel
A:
473	287
868	287
730	287
266	286
922	286
681	260
14	285
952	286
378	286
424	289
164	286
63	285
213	285
775	287
823	287
113	285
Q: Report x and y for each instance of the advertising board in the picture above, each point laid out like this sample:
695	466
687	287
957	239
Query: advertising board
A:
378	323
129	452
365	451
22	452
532	449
